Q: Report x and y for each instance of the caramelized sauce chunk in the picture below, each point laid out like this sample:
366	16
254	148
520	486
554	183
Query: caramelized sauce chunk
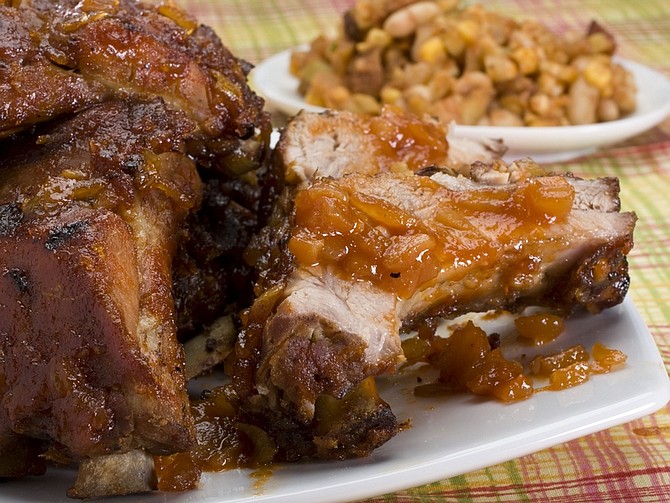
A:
502	378
572	375
222	443
463	353
546	365
337	224
467	362
538	329
407	139
604	358
572	366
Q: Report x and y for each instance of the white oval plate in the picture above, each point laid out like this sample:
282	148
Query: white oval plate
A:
272	80
448	436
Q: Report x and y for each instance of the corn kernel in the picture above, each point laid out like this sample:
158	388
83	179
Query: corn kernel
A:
432	51
550	85
608	110
366	104
600	42
540	104
447	5
336	97
390	95
598	74
376	38
469	30
526	59
454	42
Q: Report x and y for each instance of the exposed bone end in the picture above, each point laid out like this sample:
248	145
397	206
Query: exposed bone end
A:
115	475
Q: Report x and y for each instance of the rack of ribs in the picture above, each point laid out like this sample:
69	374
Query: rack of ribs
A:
130	148
351	260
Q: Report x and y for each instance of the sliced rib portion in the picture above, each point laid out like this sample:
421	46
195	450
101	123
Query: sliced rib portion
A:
362	258
89	211
421	249
340	143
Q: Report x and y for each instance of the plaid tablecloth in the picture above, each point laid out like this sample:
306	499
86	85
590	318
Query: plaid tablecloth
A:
628	463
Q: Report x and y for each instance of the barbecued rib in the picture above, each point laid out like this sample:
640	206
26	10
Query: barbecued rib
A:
351	259
104	209
88	213
373	254
59	57
340	143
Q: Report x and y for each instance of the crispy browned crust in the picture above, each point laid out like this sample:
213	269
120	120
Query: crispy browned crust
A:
60	57
342	428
